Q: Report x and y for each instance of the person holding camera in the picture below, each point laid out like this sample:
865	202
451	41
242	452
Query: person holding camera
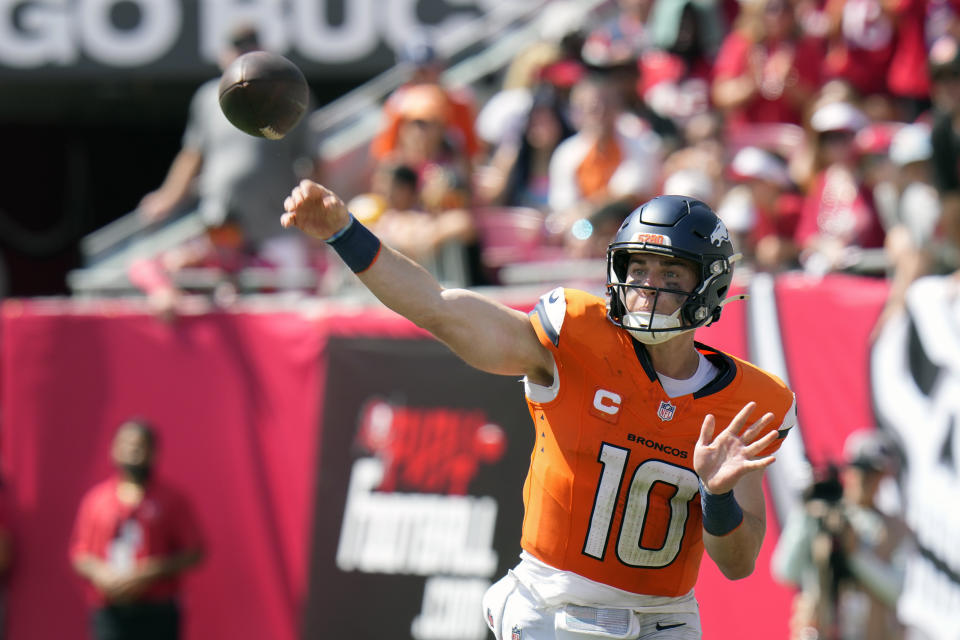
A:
842	552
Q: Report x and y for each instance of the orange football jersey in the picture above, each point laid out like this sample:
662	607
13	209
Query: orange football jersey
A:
611	493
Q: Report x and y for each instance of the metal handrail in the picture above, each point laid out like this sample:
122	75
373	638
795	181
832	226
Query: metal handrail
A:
357	112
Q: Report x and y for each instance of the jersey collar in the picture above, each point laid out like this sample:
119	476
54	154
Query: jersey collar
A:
724	363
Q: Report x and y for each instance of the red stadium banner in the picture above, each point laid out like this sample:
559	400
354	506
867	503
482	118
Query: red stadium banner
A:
825	325
289	430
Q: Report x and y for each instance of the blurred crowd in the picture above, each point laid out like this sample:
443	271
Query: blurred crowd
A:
824	132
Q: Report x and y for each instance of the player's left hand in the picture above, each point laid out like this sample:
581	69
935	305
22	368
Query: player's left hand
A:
722	460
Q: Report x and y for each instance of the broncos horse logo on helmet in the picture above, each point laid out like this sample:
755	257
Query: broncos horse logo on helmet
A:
679	227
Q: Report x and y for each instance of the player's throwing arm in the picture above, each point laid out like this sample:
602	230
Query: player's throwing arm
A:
484	333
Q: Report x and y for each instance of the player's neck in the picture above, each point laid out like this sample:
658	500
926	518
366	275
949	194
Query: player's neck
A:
676	358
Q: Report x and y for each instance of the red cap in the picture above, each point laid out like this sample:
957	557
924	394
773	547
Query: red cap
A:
875	139
563	74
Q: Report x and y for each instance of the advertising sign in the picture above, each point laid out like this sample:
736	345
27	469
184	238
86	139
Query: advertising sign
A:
418	501
180	38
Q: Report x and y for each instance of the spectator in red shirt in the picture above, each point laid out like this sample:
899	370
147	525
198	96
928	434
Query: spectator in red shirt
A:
860	43
767	70
904	79
838	219
763	211
133	538
675	72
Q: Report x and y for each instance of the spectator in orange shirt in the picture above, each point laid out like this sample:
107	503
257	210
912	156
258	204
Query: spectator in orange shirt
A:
610	156
424	144
426	67
440	232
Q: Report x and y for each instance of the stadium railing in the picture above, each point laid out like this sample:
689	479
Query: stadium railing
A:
476	50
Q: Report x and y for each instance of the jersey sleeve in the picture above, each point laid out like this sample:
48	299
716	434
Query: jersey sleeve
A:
789	419
786	418
558	320
772	395
548	317
557	316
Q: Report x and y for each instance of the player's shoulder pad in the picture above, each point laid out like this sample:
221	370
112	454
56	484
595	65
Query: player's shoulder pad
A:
551	309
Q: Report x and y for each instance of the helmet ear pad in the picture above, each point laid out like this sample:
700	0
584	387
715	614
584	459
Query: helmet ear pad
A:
707	299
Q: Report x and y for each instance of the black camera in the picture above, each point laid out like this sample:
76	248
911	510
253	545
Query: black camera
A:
826	486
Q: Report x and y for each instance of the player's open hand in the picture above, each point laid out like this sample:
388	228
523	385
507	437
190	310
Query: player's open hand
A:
315	210
722	460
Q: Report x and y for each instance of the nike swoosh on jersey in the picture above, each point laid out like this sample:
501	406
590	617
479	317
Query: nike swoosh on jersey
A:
661	626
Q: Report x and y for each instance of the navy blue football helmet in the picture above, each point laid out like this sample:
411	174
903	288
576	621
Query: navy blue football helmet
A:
678	227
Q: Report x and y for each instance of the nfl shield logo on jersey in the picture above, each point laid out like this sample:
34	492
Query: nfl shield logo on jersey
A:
516	633
665	412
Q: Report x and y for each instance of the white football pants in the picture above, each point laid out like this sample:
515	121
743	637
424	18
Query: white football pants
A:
513	613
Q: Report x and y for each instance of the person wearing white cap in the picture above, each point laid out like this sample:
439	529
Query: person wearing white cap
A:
838	219
764	210
911	151
838	117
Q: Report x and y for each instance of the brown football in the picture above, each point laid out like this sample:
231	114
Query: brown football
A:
263	94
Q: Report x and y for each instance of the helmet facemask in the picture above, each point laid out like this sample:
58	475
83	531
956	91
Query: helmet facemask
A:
651	327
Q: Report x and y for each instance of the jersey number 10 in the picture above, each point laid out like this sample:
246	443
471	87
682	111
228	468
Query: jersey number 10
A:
648	472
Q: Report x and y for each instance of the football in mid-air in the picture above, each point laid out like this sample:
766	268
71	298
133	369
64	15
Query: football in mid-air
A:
263	94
